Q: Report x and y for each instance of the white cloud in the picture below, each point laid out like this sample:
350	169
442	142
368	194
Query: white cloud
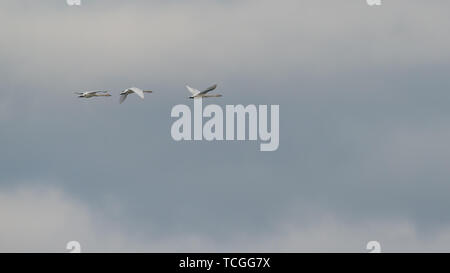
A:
44	220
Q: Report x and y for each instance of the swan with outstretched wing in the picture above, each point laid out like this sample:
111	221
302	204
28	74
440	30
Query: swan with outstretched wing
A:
131	90
90	94
202	94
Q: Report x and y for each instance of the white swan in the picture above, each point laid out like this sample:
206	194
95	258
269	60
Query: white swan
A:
90	94
202	94
131	90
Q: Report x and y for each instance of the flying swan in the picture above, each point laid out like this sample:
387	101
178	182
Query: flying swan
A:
202	94
131	90
90	94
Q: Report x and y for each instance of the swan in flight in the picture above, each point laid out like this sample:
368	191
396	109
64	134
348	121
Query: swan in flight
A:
202	94
90	94
131	90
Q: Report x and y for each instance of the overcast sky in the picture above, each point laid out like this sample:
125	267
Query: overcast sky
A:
364	126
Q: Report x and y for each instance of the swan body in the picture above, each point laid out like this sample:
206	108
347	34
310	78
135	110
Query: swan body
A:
202	94
90	94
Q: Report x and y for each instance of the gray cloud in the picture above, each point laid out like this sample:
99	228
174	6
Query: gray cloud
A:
363	113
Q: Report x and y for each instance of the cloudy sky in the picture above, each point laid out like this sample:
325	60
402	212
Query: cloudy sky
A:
364	126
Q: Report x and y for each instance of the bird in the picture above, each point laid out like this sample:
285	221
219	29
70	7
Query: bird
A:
202	94
131	90
90	94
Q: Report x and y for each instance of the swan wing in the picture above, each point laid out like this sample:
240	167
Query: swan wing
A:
123	98
192	90
97	91
138	92
211	88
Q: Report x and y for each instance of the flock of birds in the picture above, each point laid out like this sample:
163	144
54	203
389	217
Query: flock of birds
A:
134	90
